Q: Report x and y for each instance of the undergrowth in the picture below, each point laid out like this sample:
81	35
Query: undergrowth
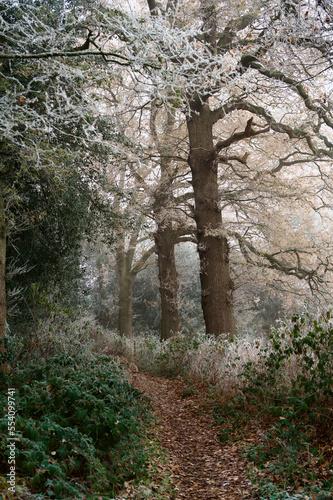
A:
78	428
287	395
205	358
79	423
281	386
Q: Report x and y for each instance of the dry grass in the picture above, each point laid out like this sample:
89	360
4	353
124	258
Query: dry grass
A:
221	362
204	358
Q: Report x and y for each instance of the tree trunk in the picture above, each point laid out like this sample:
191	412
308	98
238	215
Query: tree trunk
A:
166	234
165	248
126	274
216	283
104	315
125	318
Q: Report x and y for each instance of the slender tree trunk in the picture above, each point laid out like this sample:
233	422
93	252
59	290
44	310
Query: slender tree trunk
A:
165	248
104	315
125	318
3	302
216	283
125	282
126	274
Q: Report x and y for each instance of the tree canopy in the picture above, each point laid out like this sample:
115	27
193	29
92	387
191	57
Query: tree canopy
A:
245	89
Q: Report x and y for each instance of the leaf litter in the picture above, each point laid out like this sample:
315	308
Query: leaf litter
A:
201	467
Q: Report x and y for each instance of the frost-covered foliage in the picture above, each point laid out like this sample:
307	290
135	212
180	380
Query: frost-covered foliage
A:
205	358
49	130
42	101
173	48
183	63
295	355
298	354
59	334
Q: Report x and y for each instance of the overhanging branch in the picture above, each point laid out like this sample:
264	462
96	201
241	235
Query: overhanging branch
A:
238	136
118	58
270	261
249	61
143	259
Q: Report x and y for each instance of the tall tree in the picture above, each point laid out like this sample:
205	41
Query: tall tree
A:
44	115
171	222
131	257
216	65
151	156
166	232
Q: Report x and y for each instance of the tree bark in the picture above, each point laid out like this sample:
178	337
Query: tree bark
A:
104	315
125	317
168	277
216	283
167	233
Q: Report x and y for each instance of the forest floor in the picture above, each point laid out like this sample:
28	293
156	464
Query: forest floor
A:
201	467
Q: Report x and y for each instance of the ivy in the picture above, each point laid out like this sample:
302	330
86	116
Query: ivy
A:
78	426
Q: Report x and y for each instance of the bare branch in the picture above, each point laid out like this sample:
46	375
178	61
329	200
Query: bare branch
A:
138	266
238	136
247	248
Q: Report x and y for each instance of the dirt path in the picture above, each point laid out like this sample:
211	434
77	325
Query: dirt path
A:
203	469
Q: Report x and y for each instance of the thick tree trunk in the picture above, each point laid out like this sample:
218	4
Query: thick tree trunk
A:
165	248
125	317
216	283
166	234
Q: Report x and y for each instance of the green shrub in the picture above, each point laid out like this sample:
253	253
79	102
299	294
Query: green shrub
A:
295	369
78	426
290	390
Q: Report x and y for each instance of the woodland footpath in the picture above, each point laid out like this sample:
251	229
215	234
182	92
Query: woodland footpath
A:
193	417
